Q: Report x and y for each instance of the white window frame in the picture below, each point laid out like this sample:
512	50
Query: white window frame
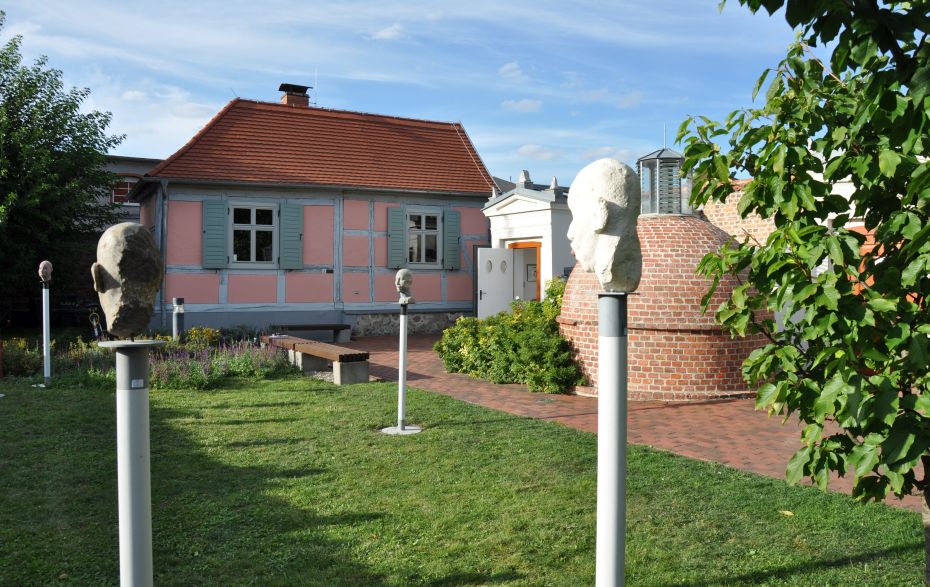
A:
273	264
408	232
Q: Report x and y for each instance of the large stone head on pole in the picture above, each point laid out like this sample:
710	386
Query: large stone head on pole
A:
605	200
127	275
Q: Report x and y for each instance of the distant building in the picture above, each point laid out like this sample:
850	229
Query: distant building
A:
283	213
130	169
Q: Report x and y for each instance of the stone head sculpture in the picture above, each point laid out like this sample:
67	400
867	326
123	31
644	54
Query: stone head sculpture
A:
605	200
45	271
404	282
126	276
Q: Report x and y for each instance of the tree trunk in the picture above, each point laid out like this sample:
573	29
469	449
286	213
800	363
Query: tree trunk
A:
925	516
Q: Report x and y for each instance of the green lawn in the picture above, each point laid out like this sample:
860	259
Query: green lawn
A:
289	483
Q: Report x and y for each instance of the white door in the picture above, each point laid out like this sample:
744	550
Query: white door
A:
495	281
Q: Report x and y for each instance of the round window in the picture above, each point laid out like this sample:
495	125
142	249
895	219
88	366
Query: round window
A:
489	266
503	266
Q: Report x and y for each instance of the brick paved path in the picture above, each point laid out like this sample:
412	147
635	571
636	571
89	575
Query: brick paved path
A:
729	431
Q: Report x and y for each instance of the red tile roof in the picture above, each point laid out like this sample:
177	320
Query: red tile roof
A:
262	142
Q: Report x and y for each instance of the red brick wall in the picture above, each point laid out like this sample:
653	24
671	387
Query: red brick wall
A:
725	216
675	352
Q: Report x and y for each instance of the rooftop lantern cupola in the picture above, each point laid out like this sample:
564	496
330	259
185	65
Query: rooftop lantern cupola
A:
664	190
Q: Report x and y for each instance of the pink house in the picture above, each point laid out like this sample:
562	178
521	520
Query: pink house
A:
284	213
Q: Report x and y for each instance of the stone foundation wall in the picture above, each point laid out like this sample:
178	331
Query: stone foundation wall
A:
389	324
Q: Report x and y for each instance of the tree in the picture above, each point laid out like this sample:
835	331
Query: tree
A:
851	353
52	175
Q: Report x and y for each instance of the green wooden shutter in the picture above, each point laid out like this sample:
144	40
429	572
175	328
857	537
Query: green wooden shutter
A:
451	229
397	237
215	239
290	236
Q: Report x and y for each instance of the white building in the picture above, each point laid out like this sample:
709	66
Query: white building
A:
529	246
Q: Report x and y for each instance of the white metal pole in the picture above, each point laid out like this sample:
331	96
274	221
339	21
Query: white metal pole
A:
134	484
46	334
402	369
611	439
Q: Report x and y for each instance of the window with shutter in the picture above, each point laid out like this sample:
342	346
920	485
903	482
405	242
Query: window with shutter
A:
291	243
215	240
423	237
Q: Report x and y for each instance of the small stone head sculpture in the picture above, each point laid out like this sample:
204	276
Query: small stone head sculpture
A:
45	271
605	200
404	282
127	275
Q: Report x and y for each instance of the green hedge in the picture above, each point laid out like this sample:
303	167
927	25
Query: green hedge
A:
522	346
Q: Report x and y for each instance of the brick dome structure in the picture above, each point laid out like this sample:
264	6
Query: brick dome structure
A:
675	351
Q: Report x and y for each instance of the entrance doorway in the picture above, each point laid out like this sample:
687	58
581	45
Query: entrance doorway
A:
526	269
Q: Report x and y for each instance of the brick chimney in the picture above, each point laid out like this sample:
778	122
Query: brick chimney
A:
294	95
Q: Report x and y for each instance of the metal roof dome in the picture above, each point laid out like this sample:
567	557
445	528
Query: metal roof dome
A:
663	153
664	191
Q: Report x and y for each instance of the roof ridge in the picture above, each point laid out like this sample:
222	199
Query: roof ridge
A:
317	109
194	139
472	152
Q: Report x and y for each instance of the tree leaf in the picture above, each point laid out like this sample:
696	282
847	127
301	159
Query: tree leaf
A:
883	305
836	252
863	458
919	85
888	162
755	91
797	465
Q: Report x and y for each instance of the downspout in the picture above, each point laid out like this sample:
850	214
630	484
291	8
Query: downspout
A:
163	243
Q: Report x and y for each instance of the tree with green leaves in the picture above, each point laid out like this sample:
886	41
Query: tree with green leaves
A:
52	175
847	323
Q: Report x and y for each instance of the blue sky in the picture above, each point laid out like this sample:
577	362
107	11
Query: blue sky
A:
542	86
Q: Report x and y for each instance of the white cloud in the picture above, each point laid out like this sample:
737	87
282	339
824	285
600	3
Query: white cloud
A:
512	72
601	152
603	95
525	105
133	96
629	100
572	80
595	95
395	31
538	152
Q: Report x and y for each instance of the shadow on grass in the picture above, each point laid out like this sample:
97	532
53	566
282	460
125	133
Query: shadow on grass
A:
806	568
245	406
241	421
509	418
463	579
390	374
260	442
216	523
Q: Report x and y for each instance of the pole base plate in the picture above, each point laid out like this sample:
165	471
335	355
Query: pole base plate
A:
405	431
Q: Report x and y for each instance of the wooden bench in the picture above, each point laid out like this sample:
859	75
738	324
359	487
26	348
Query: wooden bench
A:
341	332
349	366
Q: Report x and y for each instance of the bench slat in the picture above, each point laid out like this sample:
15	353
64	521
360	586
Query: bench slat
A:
310	327
330	352
323	350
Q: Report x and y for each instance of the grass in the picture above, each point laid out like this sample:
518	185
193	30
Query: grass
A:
289	483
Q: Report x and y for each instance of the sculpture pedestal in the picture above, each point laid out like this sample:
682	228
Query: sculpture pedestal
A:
402	429
611	439
133	460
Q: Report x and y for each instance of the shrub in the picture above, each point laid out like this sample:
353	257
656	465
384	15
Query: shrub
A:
21	358
523	346
200	363
202	337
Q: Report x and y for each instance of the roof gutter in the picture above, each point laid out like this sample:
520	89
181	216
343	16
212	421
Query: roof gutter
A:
163	245
138	189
